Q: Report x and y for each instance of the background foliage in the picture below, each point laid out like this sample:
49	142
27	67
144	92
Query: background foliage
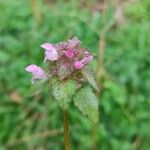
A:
124	75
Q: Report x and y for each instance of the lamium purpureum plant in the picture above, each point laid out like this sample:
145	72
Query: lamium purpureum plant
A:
69	77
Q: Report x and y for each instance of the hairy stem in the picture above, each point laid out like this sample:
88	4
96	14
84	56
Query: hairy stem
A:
66	130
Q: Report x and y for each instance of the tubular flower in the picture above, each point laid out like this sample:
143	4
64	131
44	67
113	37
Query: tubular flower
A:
69	56
37	72
50	52
69	53
65	58
78	65
87	59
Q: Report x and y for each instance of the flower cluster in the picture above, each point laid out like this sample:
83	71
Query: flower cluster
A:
65	57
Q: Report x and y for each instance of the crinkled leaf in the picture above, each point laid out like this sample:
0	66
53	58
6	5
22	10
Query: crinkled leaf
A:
63	91
87	103
74	42
89	76
37	87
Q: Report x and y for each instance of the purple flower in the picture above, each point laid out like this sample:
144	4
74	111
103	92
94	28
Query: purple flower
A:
78	65
50	53
69	53
48	46
68	57
84	61
87	59
37	72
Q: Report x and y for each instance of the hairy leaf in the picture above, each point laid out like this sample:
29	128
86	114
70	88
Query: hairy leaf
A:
63	91
89	76
87	103
37	87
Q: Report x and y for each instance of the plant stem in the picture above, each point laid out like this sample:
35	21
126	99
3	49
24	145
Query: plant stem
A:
66	130
36	11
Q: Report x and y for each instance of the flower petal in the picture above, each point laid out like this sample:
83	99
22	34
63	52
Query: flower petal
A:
51	55
87	59
78	65
39	74
48	46
69	53
31	68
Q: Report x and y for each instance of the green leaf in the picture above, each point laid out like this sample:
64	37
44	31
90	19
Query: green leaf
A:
87	103
63	91
37	87
89	76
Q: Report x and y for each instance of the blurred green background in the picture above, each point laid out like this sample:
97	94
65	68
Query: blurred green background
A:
118	31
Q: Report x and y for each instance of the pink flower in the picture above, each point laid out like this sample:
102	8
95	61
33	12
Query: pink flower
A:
84	61
87	59
69	53
48	46
68	56
50	53
37	72
31	68
78	65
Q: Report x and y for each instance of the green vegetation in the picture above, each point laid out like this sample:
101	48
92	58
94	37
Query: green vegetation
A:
123	74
